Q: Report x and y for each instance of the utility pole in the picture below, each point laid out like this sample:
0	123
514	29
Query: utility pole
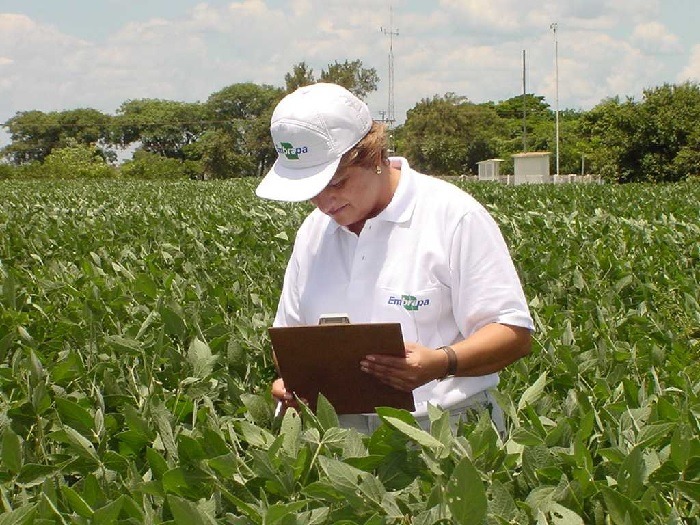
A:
524	107
553	27
391	33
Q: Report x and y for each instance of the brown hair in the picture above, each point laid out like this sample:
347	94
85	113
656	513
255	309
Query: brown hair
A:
370	151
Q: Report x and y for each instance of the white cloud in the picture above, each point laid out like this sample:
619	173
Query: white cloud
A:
470	47
654	37
500	15
692	69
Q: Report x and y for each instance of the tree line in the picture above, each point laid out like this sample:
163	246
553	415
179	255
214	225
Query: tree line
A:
655	139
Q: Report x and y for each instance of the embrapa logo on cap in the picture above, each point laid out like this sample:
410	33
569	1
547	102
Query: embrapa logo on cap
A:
289	151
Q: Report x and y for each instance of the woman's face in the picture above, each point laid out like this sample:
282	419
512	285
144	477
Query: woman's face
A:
353	195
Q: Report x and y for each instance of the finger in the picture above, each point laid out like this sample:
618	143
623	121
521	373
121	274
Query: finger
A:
382	366
386	360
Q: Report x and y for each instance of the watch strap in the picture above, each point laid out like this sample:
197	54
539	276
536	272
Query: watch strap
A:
451	361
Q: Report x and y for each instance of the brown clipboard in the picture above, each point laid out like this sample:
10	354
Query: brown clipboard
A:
326	359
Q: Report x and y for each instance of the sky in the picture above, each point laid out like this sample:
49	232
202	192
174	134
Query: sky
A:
57	55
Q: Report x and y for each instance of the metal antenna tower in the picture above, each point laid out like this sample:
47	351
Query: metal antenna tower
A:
554	26
391	33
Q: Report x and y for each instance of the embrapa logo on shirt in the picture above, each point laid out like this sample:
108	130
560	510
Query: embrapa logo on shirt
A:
289	151
409	302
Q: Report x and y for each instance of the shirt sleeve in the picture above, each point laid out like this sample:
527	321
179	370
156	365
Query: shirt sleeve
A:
485	285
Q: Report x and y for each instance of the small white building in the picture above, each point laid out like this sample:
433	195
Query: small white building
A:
490	169
532	167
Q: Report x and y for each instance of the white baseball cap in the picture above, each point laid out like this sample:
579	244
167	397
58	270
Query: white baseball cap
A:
312	128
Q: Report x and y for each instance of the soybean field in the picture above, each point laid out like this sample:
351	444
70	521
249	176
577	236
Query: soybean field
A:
135	367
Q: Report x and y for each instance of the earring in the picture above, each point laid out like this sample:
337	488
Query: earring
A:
379	170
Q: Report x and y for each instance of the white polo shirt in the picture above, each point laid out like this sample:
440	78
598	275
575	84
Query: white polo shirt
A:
433	260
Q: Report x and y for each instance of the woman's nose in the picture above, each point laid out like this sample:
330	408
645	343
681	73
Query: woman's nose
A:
323	200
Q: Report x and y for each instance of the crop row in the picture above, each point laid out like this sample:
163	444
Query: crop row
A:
134	367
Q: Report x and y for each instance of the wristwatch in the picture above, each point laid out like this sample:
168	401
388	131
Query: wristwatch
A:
451	360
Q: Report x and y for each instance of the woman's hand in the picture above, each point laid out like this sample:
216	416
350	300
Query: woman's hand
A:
279	392
420	365
284	396
488	350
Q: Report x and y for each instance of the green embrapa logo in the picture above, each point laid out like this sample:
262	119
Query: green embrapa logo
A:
289	151
409	302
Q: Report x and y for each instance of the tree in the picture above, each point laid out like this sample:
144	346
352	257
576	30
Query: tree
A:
35	134
147	165
160	126
653	140
301	75
76	161
670	129
238	142
448	135
609	128
352	76
220	156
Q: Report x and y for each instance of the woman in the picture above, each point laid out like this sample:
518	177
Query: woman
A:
387	244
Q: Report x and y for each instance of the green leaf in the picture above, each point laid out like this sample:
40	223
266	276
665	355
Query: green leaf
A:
76	502
189	449
157	463
163	418
691	489
466	495
33	474
186	482
418	435
254	435
326	414
236	355
173	322
680	446
36	368
132	509
124	343
325	491
526	437
344	477
501	503
132	441
116	462
200	357
651	435
259	409
109	513
226	465
74	415
533	392
186	513
623	511
632	474
136	422
290	430
21	516
561	515
11	451
81	444
67	369
277	512
150	319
